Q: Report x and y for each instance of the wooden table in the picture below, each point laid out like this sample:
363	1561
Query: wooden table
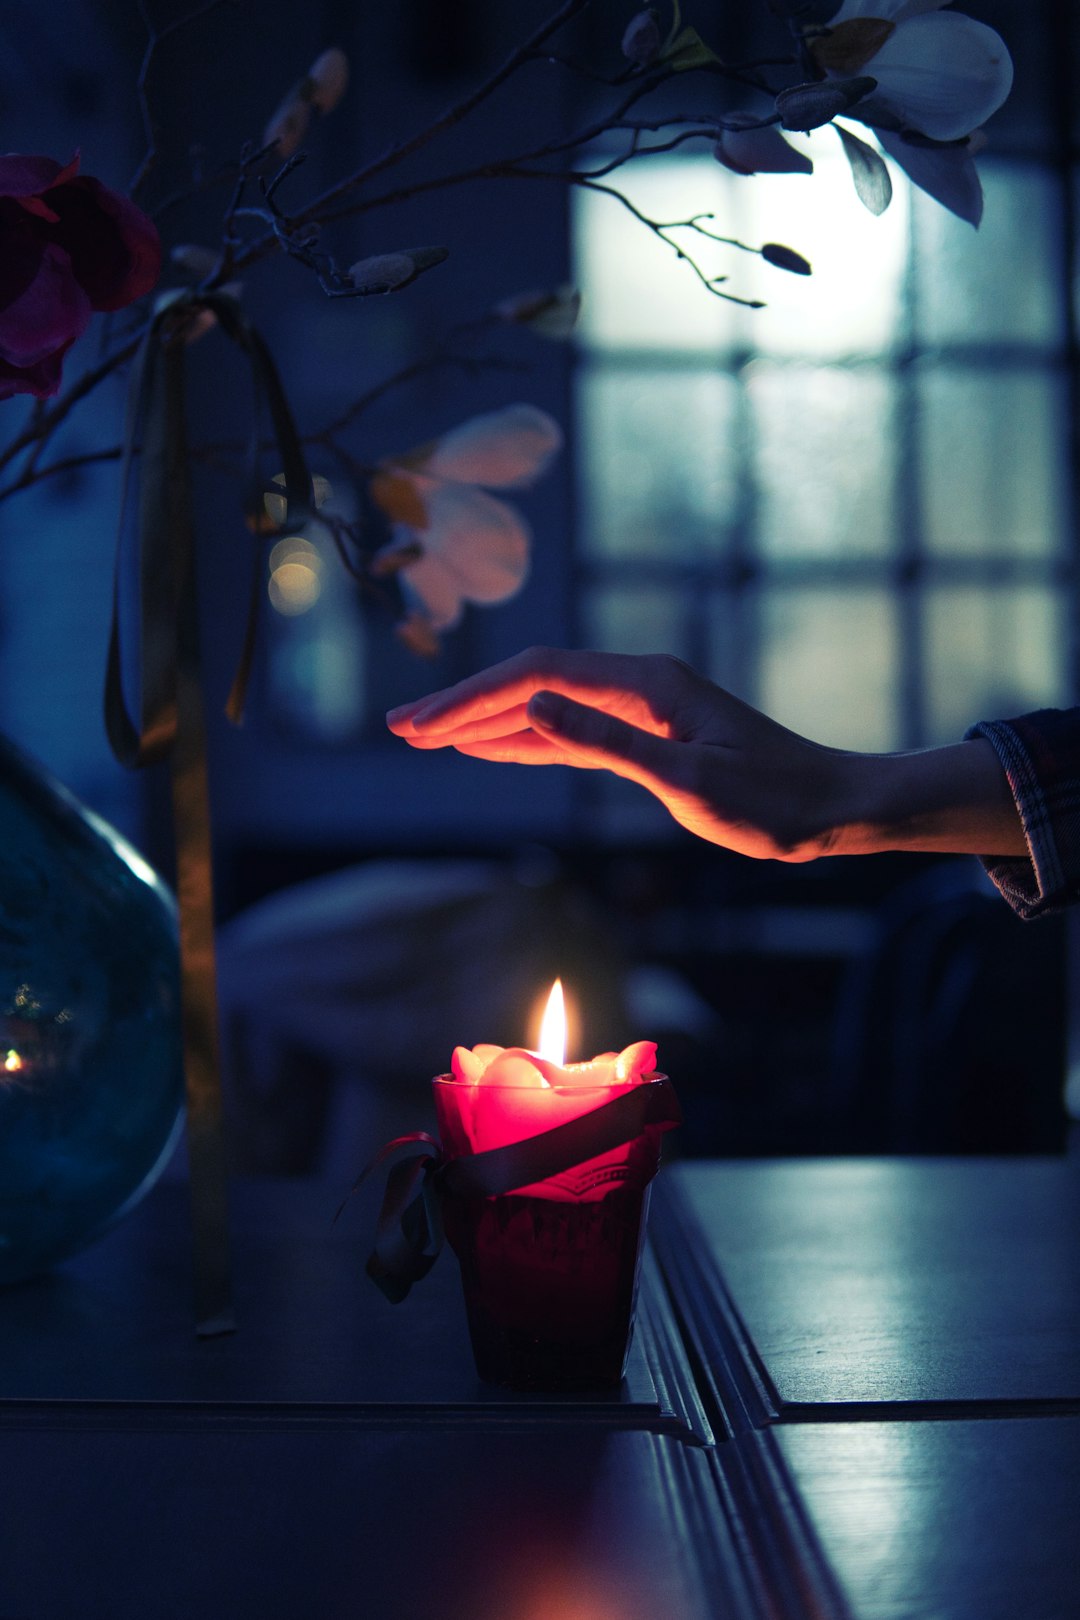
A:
854	1392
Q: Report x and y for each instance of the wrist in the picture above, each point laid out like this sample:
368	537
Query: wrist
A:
952	799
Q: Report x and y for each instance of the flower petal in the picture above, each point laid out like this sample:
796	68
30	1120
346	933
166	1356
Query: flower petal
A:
946	173
941	74
115	248
887	10
24	175
476	549
398	494
505	449
760	151
41	380
49	314
873	183
435	590
20	261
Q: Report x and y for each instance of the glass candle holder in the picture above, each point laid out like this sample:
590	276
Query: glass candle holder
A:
550	1269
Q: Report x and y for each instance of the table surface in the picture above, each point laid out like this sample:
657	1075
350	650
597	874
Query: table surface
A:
854	1394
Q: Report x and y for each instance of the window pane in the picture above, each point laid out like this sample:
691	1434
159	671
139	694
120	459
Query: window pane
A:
657	461
824	448
637	293
635	620
991	653
828	665
993	462
998	284
851	303
729	639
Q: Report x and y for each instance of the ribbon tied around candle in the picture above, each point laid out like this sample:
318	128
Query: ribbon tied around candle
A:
409	1229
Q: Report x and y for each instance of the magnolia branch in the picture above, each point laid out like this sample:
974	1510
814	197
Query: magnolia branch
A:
155	37
297	234
319	210
326	438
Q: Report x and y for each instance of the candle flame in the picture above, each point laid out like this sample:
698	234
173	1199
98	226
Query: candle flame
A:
13	1062
553	1028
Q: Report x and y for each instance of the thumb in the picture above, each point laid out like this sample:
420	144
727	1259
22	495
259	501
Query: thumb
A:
601	739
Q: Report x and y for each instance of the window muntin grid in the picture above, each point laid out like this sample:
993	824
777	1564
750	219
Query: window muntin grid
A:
850	507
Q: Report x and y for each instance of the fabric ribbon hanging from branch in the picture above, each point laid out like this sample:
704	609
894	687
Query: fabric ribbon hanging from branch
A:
169	722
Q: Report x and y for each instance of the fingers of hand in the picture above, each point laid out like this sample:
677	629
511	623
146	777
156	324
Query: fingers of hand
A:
604	680
505	724
520	748
594	738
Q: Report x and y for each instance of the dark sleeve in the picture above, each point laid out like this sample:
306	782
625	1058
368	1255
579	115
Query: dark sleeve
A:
1040	755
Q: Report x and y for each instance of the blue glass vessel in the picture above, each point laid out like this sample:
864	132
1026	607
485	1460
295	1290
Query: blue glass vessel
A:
91	1083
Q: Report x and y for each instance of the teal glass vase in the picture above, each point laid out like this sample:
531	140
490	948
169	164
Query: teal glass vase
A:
91	1083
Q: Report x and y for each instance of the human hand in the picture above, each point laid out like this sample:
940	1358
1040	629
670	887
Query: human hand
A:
722	769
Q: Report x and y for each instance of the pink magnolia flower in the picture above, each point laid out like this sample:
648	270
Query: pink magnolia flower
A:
457	542
68	246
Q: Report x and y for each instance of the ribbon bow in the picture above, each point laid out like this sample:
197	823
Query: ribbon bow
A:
409	1228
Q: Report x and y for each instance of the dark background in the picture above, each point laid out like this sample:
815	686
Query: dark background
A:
887	1005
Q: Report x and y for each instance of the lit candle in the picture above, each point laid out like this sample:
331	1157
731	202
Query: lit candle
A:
520	1091
549	1262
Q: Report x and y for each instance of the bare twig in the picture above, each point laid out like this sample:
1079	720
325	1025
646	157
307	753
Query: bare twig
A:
45	426
408	374
37	475
296	234
318	210
155	36
659	229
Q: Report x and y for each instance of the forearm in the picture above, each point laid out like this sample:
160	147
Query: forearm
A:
953	799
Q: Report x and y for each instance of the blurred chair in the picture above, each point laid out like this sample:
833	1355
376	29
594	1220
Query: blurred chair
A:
949	1034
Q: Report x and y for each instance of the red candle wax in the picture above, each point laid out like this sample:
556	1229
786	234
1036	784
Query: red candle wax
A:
549	1268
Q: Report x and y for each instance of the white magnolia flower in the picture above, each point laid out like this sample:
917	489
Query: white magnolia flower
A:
473	546
947	173
937	72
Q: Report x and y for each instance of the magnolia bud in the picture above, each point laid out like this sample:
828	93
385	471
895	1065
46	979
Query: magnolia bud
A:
288	126
191	319
195	259
328	78
809	106
385	272
641	41
551	314
785	258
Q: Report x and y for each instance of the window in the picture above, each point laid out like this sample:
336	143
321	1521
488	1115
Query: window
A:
850	507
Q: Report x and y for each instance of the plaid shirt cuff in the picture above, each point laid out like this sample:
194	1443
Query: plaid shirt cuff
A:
1040	755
